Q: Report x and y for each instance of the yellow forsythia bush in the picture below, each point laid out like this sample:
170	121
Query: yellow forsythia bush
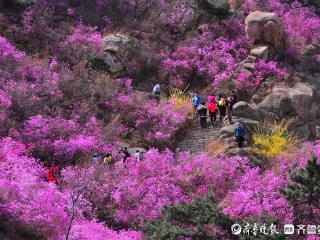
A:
270	140
180	99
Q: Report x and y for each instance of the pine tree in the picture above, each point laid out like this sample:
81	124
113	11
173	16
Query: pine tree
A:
219	8
201	219
304	191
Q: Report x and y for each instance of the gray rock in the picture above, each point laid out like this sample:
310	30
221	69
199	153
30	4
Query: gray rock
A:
120	44
302	132
318	132
295	101
310	59
239	151
249	66
301	98
244	110
312	49
265	27
277	103
261	52
118	48
227	131
113	64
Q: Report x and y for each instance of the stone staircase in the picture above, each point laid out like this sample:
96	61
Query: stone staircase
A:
196	139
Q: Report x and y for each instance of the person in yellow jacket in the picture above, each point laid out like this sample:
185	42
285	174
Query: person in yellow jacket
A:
222	107
108	159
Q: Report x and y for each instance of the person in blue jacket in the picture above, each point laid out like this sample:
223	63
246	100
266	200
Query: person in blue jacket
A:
239	134
196	100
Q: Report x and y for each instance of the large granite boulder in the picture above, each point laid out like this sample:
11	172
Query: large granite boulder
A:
244	110
236	4
120	44
310	61
297	101
119	49
265	28
266	31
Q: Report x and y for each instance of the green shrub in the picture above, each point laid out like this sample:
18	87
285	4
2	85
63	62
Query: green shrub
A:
97	62
303	192
219	8
201	219
16	4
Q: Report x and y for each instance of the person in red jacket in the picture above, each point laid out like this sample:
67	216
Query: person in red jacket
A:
53	173
213	109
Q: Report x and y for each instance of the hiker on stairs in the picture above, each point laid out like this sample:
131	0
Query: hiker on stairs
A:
211	98
232	100
222	106
202	111
239	134
196	100
156	92
213	109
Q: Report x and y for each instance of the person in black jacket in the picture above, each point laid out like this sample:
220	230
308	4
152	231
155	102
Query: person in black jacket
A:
232	100
202	111
125	153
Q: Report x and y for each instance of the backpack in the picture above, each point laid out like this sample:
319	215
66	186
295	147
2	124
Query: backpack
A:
222	102
239	132
196	100
212	108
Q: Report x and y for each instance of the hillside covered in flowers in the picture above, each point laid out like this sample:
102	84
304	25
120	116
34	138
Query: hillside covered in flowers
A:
91	149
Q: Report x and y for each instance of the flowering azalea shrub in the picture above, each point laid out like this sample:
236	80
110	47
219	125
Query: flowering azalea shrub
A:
178	14
144	187
132	192
207	56
31	86
5	104
84	40
61	139
257	196
251	81
57	107
24	194
258	193
27	197
155	123
93	230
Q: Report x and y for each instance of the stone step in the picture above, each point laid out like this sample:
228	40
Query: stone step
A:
197	138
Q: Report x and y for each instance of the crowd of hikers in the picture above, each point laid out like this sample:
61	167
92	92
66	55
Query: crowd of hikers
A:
109	160
222	106
53	171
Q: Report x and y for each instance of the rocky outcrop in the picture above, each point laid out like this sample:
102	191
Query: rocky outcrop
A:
310	61
296	101
245	110
235	4
299	103
266	31
119	48
265	28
